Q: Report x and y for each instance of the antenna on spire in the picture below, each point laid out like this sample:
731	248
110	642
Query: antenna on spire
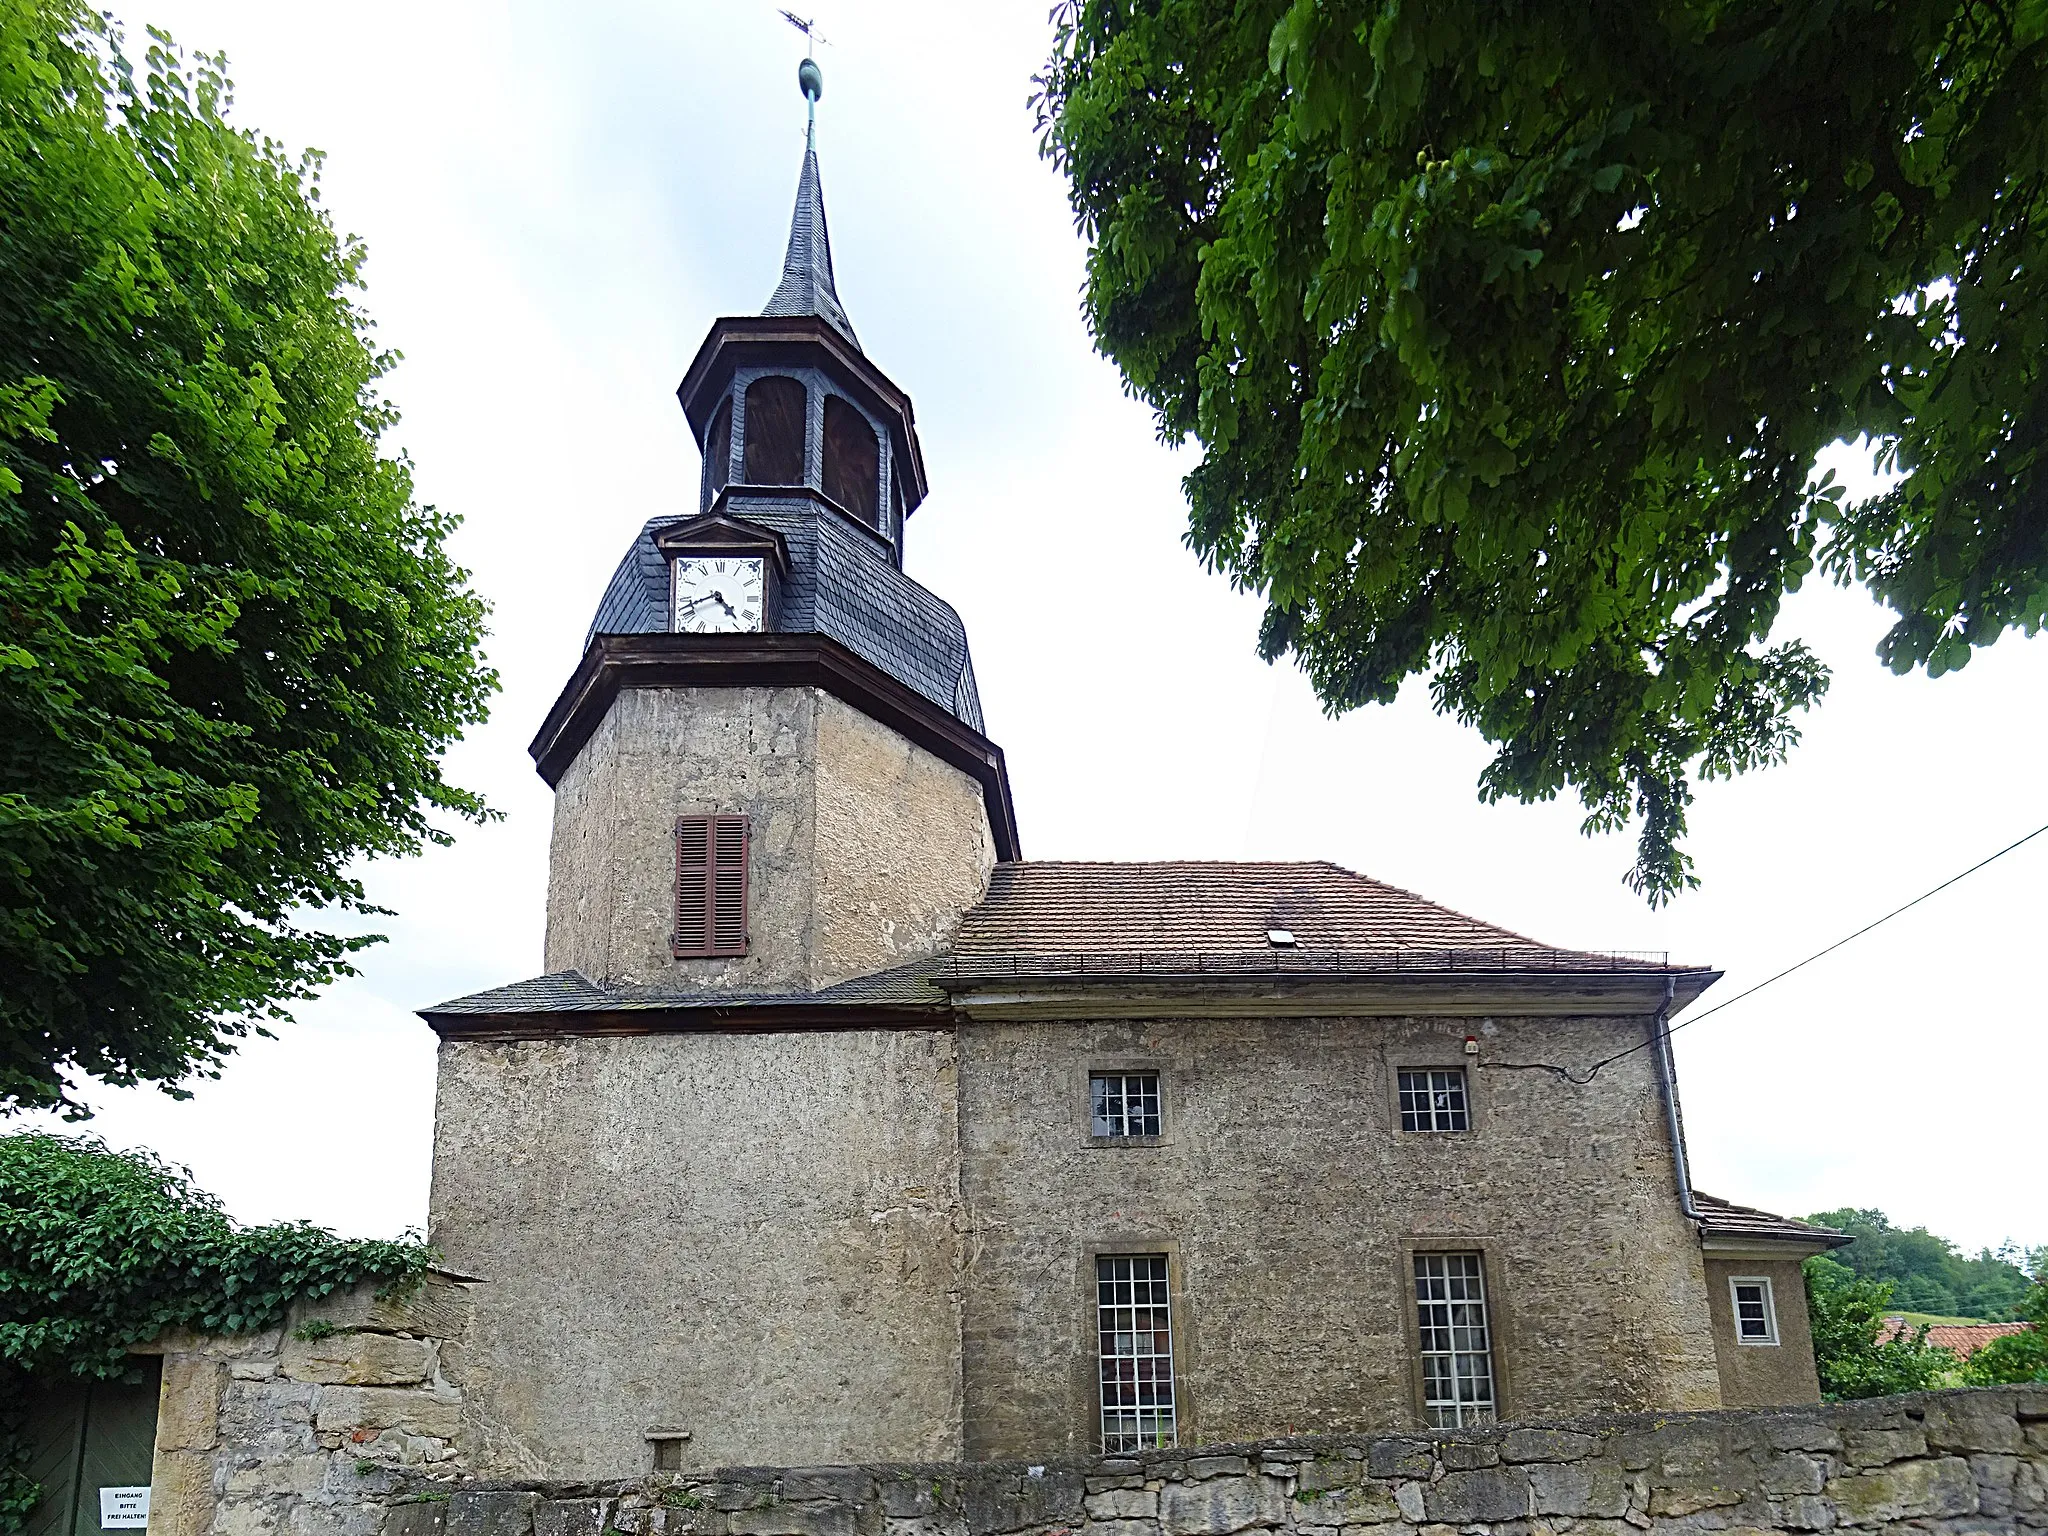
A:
809	78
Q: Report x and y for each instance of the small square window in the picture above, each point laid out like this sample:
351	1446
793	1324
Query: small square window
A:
1123	1104
1756	1314
1434	1100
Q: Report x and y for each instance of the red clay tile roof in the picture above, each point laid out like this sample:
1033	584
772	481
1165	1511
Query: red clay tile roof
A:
1723	1218
1038	914
1964	1338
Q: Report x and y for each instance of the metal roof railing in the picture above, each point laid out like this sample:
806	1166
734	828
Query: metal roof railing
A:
1287	962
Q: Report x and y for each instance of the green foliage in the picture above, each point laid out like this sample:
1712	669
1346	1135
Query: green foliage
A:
2018	1356
232	647
1511	334
1847	1314
1928	1273
102	1250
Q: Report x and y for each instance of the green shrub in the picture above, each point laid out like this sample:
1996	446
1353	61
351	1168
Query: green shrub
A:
1854	1360
103	1250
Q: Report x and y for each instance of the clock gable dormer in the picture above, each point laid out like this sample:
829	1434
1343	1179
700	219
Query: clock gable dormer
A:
726	576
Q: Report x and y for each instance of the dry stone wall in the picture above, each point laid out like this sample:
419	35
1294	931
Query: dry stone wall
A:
1944	1464
313	1427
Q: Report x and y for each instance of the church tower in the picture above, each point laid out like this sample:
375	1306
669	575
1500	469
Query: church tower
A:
708	1165
769	770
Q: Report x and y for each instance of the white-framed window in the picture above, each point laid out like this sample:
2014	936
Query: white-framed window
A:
1133	1321
1433	1099
1756	1311
1123	1103
1457	1343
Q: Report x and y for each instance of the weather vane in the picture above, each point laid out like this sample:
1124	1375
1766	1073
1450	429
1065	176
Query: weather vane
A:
809	78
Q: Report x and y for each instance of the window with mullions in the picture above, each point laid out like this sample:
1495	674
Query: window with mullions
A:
1132	1320
1434	1100
1756	1319
1457	1345
1123	1104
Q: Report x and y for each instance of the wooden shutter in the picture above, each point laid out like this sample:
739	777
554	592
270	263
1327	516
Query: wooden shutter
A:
711	885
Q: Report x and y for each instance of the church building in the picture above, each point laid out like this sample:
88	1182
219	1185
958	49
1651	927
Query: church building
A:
837	1130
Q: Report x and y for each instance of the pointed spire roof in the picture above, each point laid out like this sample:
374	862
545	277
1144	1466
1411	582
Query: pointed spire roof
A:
806	286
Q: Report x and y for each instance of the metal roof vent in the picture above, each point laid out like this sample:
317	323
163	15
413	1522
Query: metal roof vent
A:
1280	938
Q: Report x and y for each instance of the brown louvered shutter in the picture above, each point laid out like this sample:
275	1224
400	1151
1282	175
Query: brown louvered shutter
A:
729	885
711	886
693	885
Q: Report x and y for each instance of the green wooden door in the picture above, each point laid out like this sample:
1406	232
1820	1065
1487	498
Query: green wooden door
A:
85	1436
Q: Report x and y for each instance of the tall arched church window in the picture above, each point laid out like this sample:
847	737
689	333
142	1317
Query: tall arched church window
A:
775	431
718	449
853	460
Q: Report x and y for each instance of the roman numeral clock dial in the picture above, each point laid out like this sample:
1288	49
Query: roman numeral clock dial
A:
718	595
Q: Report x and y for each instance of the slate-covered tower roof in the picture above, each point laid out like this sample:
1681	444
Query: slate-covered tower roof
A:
809	443
806	287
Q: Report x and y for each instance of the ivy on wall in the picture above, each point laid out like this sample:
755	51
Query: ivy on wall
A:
103	1250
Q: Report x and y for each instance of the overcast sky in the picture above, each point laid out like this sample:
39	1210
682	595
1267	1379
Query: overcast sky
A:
558	199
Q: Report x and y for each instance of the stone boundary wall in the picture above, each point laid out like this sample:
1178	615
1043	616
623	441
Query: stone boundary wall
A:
1945	1463
311	1427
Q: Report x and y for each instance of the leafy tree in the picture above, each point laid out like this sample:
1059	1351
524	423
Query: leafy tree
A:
1511	334
2018	1356
1847	1314
100	1250
232	647
1926	1272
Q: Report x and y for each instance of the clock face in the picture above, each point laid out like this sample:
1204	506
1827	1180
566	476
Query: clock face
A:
718	594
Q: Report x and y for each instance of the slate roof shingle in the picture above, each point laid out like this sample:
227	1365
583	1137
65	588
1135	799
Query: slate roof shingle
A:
806	287
842	584
572	992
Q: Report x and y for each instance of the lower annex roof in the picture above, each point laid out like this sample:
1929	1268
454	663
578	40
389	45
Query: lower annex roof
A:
1085	921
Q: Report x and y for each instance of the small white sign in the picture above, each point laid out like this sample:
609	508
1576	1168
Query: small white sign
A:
124	1509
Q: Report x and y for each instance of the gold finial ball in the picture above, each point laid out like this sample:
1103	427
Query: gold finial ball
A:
810	80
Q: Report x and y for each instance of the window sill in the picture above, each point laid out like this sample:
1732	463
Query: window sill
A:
1123	1141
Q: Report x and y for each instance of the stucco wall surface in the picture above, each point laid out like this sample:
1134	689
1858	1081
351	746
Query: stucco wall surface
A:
1290	1204
1760	1375
866	849
903	847
1942	1464
748	1236
661	753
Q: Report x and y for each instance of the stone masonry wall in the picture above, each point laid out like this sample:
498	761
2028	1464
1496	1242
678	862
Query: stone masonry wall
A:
1946	1464
867	849
774	1267
1291	1204
308	1427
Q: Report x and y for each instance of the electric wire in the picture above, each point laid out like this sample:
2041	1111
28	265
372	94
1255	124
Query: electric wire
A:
1820	954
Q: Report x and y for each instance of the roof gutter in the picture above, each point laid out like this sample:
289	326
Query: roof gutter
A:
1667	1085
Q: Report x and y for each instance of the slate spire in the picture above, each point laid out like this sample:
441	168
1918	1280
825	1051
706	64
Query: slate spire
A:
806	286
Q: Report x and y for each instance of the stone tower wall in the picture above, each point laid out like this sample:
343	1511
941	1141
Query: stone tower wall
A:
866	849
753	1237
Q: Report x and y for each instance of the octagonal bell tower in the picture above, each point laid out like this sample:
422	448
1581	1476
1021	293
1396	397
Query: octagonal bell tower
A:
770	769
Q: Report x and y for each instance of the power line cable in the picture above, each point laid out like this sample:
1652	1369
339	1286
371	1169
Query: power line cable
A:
1671	1029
